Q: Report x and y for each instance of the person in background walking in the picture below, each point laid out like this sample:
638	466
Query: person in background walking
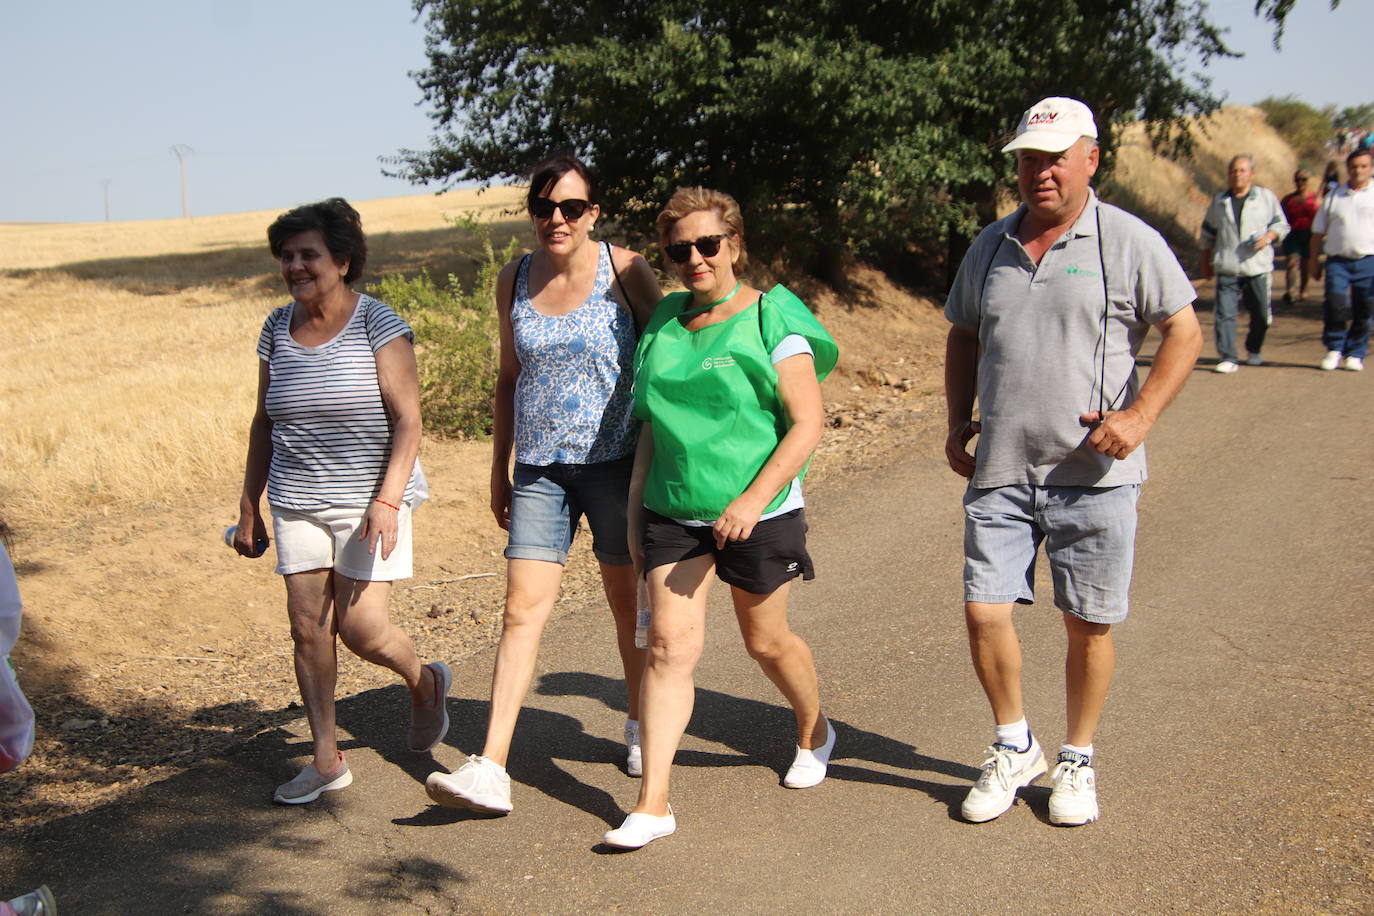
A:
1239	231
1299	207
1344	229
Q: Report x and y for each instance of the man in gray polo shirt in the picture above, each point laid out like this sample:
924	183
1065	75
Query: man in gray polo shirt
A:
1048	311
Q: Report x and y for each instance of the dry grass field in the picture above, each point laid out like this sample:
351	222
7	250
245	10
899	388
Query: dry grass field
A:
128	372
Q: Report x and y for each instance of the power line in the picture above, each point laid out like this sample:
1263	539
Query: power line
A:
181	151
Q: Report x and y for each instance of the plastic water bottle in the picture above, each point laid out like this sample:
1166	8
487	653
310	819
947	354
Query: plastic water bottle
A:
259	546
644	615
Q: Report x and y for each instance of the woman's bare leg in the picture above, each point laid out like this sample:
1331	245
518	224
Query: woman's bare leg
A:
310	607
364	625
621	592
531	590
784	657
678	593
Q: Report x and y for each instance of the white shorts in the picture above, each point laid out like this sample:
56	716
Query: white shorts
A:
328	539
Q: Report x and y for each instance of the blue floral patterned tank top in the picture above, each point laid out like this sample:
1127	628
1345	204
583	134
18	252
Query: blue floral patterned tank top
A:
573	399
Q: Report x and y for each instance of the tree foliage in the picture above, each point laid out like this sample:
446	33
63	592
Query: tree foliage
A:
1354	116
1277	12
1305	128
868	126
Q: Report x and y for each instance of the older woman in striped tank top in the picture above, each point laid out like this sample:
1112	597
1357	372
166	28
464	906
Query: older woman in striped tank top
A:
570	315
334	443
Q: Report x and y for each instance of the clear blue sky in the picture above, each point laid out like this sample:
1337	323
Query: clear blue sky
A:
294	100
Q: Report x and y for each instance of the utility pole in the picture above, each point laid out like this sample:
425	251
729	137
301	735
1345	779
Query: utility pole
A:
181	151
105	185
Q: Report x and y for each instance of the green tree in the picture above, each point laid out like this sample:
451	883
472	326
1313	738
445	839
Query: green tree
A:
1354	116
1305	128
1278	11
866	126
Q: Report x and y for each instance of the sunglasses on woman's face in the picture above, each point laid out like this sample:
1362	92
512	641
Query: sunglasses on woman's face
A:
572	208
680	252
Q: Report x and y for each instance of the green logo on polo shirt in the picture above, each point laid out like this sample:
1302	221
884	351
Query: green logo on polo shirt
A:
1074	270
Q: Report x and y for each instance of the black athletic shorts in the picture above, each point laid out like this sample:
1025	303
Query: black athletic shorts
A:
774	553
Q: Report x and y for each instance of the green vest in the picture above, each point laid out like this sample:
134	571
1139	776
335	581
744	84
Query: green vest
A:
712	396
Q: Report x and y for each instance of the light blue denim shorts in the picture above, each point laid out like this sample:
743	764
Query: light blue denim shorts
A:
548	500
1089	538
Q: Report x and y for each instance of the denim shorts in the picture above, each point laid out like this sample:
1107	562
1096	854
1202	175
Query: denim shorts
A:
328	539
548	500
1089	538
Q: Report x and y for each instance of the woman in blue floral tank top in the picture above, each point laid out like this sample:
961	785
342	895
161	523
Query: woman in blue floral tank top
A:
570	316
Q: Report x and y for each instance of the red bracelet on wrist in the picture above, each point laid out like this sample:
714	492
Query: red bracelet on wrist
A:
385	503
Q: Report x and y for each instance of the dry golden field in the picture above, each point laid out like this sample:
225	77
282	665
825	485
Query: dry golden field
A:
127	373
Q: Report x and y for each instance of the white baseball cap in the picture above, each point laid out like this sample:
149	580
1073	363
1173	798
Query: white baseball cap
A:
1053	125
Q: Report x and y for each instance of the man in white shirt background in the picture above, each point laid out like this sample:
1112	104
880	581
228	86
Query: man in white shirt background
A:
1344	230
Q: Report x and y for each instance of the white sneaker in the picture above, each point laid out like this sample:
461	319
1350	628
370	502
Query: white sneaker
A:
1254	359
809	765
1225	367
1331	360
1005	771
1074	798
640	830
634	757
480	784
1353	363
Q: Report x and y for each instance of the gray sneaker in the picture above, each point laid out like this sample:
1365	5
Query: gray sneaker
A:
35	903
429	722
310	782
480	784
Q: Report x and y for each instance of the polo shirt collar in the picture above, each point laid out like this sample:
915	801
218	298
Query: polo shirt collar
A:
1085	225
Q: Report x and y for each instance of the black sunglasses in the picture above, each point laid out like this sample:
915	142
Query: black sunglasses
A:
680	252
573	208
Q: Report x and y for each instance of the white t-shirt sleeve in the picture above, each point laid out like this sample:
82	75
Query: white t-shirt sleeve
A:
791	345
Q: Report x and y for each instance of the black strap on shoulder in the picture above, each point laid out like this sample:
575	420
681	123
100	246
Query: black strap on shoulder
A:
610	256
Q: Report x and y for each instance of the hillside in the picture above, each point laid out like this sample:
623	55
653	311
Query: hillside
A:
1173	195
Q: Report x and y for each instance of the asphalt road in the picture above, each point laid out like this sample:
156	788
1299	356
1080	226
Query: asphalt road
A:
1233	760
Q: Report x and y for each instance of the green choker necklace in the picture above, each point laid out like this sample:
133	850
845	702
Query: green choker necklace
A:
726	298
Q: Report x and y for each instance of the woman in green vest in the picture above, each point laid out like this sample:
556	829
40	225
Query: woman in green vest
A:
727	384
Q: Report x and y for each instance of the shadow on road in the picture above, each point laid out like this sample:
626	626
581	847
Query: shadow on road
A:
760	734
185	844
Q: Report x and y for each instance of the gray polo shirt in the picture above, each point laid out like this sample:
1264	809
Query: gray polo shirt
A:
1040	331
